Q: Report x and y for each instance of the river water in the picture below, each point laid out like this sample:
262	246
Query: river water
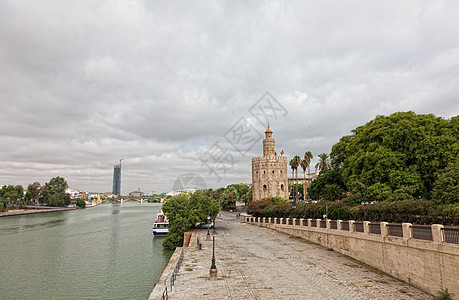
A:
105	252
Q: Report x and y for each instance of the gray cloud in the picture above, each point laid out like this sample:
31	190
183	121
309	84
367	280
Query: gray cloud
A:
85	83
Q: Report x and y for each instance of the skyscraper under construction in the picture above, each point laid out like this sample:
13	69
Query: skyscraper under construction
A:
117	180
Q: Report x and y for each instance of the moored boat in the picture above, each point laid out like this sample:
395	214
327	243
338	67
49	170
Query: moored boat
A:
161	225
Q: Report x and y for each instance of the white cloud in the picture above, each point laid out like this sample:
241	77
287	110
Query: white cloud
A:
85	83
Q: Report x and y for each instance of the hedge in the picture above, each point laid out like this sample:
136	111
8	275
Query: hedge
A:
411	211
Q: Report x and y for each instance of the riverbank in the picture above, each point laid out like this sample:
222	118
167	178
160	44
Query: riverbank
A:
18	212
259	263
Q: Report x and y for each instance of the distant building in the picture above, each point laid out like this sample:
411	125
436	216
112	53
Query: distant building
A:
269	172
183	191
117	180
137	193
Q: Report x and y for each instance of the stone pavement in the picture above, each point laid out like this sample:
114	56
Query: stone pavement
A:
259	263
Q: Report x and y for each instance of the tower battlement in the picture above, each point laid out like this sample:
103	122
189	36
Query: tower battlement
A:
273	157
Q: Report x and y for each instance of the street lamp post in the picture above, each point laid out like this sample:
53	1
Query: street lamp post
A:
208	232
213	267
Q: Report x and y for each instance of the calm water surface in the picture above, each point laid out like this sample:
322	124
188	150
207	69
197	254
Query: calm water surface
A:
106	252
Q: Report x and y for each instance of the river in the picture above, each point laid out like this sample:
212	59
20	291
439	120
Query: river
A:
105	252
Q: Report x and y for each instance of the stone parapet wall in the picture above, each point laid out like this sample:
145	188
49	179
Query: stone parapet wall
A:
427	262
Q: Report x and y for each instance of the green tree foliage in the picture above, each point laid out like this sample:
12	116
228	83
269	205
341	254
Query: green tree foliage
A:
293	188
336	187
396	157
33	193
247	197
446	188
1	206
54	192
184	212
324	163
11	196
228	196
80	203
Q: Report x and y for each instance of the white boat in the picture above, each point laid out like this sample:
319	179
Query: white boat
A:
161	225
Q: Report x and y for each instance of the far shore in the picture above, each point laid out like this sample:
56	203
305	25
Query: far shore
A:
28	211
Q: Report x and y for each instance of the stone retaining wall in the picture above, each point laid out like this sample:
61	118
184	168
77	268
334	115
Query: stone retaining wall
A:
164	281
429	265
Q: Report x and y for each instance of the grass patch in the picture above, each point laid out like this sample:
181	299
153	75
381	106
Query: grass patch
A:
402	291
330	249
382	281
369	268
353	266
311	263
188	269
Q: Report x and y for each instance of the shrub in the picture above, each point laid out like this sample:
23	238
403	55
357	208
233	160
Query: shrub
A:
1	206
80	203
255	207
413	211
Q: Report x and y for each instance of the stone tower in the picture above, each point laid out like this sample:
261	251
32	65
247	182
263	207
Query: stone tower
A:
269	172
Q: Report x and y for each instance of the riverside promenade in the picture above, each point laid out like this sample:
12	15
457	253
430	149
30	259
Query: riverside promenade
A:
18	212
259	263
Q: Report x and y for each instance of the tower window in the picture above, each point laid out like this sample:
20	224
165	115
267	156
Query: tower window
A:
264	187
282	187
273	171
264	172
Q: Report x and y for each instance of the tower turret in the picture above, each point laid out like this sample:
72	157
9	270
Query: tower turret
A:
269	143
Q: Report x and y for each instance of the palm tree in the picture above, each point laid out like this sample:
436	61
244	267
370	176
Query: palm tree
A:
332	192
296	163
308	156
324	164
292	165
304	165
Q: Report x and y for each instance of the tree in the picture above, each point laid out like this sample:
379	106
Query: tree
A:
247	197
184	212
54	192
324	163
398	156
304	165
292	166
11	195
294	163
318	189
80	203
332	192
308	157
446	188
33	192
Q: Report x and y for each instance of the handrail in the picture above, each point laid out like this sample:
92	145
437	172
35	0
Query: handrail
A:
165	294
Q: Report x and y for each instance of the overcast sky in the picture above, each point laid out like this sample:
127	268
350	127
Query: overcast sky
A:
168	85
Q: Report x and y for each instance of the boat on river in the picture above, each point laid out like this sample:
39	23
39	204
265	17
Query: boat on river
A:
161	225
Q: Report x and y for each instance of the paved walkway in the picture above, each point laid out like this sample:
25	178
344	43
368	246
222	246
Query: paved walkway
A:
18	212
259	263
